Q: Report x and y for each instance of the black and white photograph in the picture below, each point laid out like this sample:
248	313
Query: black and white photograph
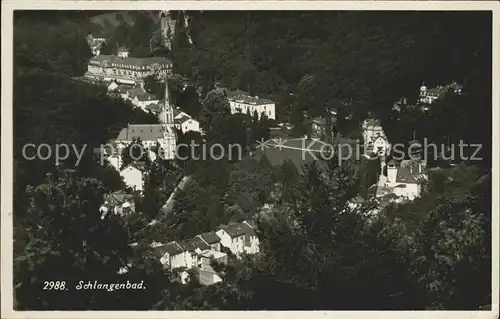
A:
293	159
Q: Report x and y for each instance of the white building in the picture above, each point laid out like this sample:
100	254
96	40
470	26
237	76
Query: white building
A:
239	238
154	134
140	98
207	275
429	96
374	138
242	102
212	240
124	69
171	255
404	180
186	124
133	176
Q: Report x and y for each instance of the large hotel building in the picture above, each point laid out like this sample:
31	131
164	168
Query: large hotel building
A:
127	70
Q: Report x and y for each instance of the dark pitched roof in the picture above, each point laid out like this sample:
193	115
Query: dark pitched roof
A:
177	112
141	94
372	123
243	96
117	198
410	174
392	162
190	245
131	61
171	248
182	119
145	132
239	229
319	120
122	88
210	237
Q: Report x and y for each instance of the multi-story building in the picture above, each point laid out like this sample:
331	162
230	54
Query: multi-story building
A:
242	102
124	69
239	238
374	139
429	96
150	135
404	180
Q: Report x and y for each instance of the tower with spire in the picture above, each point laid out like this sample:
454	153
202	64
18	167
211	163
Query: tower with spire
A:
168	141
167	111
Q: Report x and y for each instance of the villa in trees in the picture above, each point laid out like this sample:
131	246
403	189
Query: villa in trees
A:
374	139
193	257
243	102
429	96
405	180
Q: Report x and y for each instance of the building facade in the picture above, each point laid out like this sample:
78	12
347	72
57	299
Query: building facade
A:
374	138
242	102
127	70
429	96
239	238
404	180
151	135
133	176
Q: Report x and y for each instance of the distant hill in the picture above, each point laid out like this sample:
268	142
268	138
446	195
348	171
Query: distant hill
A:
106	23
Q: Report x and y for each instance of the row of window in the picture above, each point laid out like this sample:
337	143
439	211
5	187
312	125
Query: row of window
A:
128	66
238	105
268	113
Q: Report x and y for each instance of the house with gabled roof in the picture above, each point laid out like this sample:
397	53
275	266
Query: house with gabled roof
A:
191	247
186	124
212	239
240	238
141	98
243	102
171	255
178	113
406	179
124	69
133	176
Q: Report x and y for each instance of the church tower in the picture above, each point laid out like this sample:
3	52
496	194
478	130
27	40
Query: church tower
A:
168	142
167	111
